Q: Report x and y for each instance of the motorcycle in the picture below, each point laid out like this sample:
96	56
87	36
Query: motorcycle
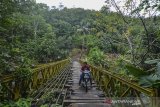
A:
86	78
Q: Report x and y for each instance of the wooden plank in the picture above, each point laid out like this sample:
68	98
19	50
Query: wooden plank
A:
85	101
72	98
89	105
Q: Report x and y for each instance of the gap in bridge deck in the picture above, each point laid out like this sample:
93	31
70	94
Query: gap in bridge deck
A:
80	98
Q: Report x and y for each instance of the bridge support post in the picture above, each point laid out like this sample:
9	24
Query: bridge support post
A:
158	92
157	97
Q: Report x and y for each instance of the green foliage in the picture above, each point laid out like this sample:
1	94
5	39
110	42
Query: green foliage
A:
96	56
23	103
89	41
137	72
152	80
149	5
152	61
20	103
42	49
46	105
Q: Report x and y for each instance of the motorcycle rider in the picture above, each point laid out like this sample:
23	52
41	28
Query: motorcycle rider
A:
83	68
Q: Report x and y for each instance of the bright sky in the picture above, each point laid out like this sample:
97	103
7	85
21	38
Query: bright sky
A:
86	4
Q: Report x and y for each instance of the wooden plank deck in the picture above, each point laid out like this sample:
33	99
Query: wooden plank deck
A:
80	98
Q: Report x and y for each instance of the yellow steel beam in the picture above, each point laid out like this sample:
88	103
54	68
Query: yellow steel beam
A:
134	86
45	70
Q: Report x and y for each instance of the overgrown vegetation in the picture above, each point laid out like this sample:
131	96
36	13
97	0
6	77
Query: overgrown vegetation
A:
20	103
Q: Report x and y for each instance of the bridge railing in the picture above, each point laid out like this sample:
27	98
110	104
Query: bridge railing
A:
117	87
14	88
